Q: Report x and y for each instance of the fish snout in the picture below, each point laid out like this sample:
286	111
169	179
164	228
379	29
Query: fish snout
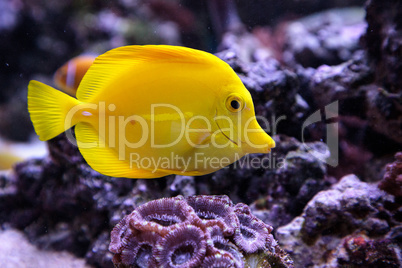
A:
256	140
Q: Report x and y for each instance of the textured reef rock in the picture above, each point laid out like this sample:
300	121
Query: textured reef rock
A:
392	181
354	223
199	231
329	37
383	40
369	108
367	113
331	83
268	12
367	84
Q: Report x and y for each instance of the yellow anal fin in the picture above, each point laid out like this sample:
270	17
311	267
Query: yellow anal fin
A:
104	159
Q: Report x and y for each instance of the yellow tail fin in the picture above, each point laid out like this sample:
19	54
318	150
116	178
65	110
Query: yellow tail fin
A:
48	108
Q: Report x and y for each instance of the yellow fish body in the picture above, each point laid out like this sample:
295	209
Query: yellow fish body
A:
70	74
150	111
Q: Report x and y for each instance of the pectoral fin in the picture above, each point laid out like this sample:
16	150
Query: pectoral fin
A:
199	133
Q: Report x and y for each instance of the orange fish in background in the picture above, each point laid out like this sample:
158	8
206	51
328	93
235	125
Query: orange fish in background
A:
68	77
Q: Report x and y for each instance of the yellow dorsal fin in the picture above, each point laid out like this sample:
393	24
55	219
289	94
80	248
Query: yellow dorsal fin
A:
111	64
104	159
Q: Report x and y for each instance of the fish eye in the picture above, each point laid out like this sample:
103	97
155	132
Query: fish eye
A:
234	103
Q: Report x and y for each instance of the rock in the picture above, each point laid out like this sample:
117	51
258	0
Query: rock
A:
326	38
261	13
383	41
392	181
344	226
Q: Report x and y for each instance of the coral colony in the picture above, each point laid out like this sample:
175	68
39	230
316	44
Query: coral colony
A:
197	231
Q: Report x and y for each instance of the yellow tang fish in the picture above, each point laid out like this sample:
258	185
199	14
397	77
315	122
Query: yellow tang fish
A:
150	111
69	76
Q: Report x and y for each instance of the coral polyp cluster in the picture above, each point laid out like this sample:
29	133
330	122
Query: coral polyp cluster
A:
197	231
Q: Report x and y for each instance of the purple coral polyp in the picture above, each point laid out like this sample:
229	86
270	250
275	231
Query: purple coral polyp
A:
138	249
253	233
117	235
218	260
222	246
200	231
160	214
215	210
184	246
